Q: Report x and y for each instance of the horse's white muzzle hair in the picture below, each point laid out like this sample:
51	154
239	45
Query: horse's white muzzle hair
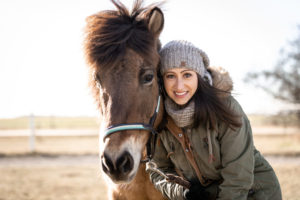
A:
120	163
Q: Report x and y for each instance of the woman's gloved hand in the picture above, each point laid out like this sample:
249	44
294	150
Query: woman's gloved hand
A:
196	192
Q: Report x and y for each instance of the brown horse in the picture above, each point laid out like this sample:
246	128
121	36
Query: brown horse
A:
122	53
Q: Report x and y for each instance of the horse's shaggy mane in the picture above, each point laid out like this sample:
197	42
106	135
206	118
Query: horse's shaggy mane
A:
109	33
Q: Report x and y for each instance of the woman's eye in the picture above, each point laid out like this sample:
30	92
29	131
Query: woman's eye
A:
170	76
187	75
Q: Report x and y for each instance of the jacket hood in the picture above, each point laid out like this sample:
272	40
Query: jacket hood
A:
221	80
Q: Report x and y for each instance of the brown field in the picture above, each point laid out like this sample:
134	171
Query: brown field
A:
49	122
51	183
85	183
78	178
84	122
278	144
75	145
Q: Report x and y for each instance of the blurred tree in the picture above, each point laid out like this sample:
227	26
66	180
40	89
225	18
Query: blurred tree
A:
283	81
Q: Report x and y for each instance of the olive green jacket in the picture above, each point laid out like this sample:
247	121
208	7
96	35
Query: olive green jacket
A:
238	170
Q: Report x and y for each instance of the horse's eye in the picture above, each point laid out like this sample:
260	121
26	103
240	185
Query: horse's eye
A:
148	78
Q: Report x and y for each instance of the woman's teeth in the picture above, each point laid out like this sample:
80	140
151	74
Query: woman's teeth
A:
180	93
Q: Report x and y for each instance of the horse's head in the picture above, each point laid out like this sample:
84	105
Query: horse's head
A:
122	53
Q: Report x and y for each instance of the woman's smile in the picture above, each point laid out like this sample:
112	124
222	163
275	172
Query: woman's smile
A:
180	94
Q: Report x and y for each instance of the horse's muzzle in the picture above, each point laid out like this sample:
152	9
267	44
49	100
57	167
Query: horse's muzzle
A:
118	169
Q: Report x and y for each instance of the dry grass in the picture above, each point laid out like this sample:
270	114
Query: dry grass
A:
51	183
278	144
77	145
72	183
288	176
58	122
50	122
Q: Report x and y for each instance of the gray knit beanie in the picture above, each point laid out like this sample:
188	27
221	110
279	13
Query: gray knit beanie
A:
180	53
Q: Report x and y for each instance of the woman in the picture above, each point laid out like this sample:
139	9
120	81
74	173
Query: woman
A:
208	139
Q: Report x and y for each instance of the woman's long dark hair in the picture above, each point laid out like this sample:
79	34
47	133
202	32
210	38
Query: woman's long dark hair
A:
209	107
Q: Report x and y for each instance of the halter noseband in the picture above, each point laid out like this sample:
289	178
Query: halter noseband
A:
139	126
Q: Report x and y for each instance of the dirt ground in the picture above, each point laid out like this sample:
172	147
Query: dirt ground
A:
51	183
288	176
70	177
67	168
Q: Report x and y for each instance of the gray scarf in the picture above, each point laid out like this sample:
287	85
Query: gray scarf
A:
183	116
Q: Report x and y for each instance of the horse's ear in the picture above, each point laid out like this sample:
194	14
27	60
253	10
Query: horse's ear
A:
155	20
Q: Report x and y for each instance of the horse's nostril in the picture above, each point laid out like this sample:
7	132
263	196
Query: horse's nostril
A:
118	168
125	163
107	164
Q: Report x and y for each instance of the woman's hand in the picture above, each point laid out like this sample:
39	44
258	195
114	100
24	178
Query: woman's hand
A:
196	192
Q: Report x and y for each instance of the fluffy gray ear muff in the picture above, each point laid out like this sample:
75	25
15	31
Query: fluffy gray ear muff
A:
205	59
207	78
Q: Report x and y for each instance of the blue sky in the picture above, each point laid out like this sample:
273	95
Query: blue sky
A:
42	69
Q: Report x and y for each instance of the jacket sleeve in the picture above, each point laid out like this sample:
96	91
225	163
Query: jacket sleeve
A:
170	190
237	157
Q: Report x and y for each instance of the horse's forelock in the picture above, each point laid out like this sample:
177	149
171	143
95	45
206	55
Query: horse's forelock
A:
109	33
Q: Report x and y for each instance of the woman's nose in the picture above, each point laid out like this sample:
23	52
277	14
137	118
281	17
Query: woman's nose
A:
179	84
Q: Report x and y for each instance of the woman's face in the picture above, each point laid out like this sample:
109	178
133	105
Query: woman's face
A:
180	84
